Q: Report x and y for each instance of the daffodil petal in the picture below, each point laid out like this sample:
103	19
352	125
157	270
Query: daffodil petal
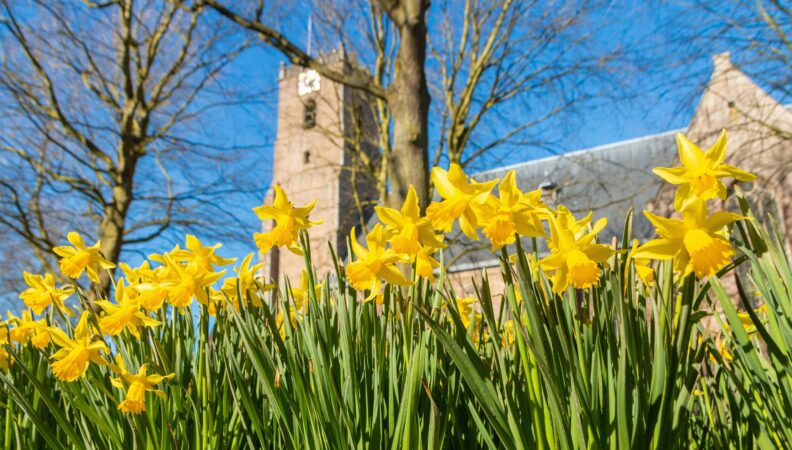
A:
717	153
726	170
689	153
673	175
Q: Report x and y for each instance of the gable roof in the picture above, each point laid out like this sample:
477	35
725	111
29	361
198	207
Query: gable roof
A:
608	179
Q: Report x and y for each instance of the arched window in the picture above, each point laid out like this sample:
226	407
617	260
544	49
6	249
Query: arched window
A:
306	157
309	114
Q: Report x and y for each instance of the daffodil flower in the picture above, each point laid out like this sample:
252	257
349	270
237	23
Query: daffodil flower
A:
574	260
149	283
28	329
202	256
374	264
136	385
643	268
80	258
699	177
468	313
425	263
462	199
125	314
723	349
248	285
42	292
507	334
470	317
410	232
746	321
513	212
300	295
188	282
695	243
567	221
71	361
288	222
5	356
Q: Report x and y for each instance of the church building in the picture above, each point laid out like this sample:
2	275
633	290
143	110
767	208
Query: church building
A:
322	125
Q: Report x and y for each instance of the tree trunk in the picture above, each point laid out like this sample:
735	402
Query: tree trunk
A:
408	98
111	233
113	225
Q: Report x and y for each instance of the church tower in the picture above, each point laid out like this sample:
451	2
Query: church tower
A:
322	128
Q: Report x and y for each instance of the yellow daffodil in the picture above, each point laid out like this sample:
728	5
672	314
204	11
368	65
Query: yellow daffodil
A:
28	329
409	230
188	282
248	285
567	221
467	311
149	284
17	334
202	256
293	318
42	292
695	243
288	222
746	321
373	264
471	318
71	361
5	355
513	213
80	258
301	298
507	335
699	177
425	263
747	324
301	294
125	314
574	260
723	350
643	268
462	199
136	385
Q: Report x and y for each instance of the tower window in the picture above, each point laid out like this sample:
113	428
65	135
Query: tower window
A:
309	114
306	157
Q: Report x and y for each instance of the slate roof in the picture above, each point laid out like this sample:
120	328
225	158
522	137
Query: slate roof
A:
608	180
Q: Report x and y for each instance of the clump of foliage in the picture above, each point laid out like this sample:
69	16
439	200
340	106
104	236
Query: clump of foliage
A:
589	346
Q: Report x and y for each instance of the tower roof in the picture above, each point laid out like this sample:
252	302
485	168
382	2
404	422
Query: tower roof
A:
732	101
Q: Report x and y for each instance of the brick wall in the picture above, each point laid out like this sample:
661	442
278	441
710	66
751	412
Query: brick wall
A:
315	164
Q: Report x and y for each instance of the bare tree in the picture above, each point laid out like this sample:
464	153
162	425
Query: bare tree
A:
102	107
487	60
505	68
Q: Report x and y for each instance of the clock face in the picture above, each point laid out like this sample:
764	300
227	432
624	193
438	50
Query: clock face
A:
308	82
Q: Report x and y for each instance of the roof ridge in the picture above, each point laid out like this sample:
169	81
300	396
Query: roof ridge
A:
573	153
